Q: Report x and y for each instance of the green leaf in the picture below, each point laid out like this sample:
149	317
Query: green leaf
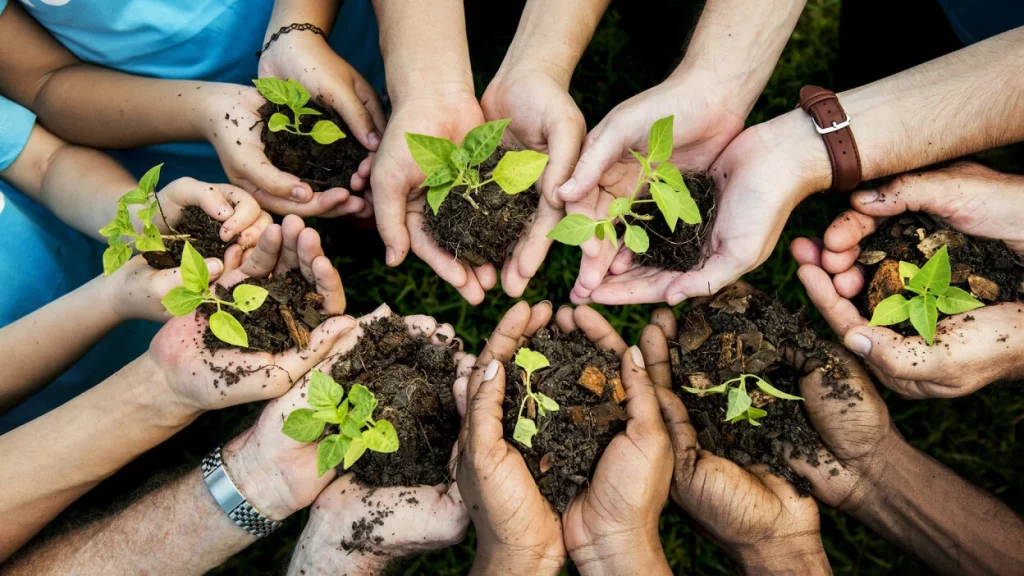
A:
274	89
574	229
324	393
934	275
483	140
636	239
517	171
302	427
599	230
720	389
115	256
136	197
442	175
670	175
437	195
225	327
908	271
121	225
659	145
753	414
924	315
609	232
278	122
642	160
739	401
892	310
618	207
151	241
352	429
363	403
111	230
668	202
546	403
298	95
525	430
688	210
326	132
430	153
381	438
531	360
194	274
459	158
248	297
150	179
145	215
773	391
956	300
181	301
341	412
330	453
330	416
355	451
307	112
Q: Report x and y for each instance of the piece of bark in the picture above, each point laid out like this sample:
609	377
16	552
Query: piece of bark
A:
983	288
313	299
959	273
298	332
700	381
593	380
546	462
759	399
695	332
871	257
945	237
885	283
618	392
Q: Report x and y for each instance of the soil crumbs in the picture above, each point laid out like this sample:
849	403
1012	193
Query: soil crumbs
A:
584	380
285	319
683	249
204	236
740	331
412	379
486	233
322	167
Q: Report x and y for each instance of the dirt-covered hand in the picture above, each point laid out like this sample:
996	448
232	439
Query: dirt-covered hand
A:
239	213
971	350
400	201
546	119
614	521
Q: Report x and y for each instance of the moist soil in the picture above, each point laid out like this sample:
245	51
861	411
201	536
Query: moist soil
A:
285	319
204	235
569	441
412	379
987	269
741	331
485	233
683	249
322	167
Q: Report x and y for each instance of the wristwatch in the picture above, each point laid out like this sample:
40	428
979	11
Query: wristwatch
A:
231	501
834	126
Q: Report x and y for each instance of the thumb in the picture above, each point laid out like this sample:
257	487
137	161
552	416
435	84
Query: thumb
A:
564	144
900	362
485	427
933	192
345	101
600	152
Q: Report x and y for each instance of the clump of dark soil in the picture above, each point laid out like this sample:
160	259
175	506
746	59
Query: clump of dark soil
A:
203	234
322	167
987	269
487	232
584	380
741	331
285	319
412	379
683	249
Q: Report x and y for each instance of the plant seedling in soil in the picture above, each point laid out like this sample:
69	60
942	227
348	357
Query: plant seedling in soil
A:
295	96
933	294
740	405
526	428
119	251
448	165
357	431
668	192
196	290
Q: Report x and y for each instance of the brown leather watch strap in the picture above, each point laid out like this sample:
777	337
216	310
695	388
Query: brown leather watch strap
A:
831	121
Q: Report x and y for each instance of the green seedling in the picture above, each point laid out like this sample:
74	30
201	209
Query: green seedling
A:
151	240
933	294
668	192
196	290
357	431
293	95
740	405
526	428
448	165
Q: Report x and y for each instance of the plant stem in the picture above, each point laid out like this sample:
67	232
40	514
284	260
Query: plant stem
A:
469	198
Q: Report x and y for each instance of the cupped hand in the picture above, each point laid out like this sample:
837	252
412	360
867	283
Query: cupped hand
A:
238	212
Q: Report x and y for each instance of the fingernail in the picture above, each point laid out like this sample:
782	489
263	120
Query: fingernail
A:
867	196
858	344
638	358
548	302
492	370
214	265
380	309
569	187
389	256
374	138
300	194
676	298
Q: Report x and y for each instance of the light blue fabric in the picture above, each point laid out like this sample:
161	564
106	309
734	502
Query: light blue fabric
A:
976	20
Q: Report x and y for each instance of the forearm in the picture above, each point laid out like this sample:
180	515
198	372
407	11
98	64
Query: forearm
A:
178	529
51	461
623	554
320	13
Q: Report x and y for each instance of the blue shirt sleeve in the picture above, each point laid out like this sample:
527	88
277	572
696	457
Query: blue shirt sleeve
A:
16	125
3	4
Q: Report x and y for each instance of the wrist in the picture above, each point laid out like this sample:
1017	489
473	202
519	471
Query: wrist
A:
795	555
622	553
795	144
160	405
879	487
258	479
502	559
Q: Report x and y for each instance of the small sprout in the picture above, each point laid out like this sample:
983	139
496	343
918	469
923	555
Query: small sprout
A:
448	166
356	432
150	240
668	192
740	405
195	290
933	292
531	361
293	95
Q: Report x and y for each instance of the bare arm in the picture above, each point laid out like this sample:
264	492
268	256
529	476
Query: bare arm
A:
552	36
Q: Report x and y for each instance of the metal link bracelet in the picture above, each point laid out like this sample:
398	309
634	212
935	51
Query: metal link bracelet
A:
231	501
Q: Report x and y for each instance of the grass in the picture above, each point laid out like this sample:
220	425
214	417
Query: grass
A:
976	436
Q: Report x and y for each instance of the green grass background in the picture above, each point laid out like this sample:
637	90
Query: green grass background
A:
633	49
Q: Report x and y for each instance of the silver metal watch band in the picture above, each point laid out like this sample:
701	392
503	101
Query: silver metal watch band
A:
231	501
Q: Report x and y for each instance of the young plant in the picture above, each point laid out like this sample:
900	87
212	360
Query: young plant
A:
448	166
740	405
668	192
196	290
118	250
930	283
295	96
526	428
357	431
